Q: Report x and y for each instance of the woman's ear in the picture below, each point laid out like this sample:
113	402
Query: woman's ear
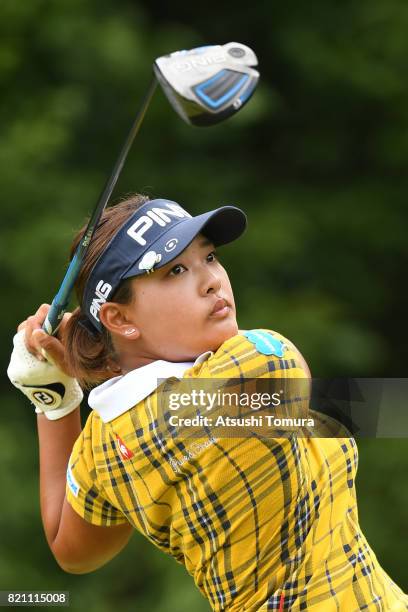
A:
114	317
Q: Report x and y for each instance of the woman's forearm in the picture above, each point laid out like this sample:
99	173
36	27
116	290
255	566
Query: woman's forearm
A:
56	439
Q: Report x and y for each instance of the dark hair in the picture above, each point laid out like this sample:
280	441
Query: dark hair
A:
91	355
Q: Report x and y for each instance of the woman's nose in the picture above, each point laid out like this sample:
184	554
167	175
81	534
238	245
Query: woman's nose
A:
211	283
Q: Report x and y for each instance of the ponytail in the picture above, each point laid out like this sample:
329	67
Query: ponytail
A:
90	353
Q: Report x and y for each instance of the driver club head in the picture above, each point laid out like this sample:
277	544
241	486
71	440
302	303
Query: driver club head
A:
208	84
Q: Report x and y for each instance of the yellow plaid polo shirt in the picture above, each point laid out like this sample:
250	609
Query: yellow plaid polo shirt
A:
260	524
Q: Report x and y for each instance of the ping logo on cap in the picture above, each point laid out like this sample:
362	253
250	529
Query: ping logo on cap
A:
155	215
102	292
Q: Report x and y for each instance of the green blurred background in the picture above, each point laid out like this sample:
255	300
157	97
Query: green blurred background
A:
317	159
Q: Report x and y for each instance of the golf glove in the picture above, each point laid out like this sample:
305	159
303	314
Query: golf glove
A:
52	392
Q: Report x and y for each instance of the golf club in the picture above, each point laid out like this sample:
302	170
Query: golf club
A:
205	86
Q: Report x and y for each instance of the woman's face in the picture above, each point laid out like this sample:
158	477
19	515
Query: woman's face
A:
186	307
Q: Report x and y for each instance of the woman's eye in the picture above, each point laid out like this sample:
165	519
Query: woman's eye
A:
176	270
211	256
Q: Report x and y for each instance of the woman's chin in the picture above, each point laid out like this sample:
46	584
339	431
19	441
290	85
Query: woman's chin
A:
209	340
222	334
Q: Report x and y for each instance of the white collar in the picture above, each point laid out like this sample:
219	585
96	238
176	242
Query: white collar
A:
117	395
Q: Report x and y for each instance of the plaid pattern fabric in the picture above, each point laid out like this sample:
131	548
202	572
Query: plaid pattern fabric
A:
261	524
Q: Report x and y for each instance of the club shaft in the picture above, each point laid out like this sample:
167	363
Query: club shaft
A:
61	300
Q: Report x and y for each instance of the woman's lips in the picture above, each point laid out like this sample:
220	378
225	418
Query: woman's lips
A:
221	309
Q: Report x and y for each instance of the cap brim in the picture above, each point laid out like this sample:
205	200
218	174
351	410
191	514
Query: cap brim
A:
221	226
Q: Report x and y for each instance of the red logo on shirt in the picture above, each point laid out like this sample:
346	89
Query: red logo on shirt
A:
123	449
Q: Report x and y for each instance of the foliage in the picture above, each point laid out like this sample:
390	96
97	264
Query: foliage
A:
317	160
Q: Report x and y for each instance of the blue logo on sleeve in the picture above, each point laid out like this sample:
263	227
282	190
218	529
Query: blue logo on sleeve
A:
265	343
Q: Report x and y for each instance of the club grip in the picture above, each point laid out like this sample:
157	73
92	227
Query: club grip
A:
54	317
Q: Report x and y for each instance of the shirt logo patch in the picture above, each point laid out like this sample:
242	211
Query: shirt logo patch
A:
265	343
123	449
72	483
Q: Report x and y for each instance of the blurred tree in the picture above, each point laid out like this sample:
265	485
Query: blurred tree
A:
317	159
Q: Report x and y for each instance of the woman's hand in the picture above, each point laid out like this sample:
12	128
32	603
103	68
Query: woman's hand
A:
40	344
39	368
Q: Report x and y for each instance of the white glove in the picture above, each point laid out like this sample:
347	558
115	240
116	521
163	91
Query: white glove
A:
52	392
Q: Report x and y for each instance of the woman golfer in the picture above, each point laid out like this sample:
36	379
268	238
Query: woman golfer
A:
260	523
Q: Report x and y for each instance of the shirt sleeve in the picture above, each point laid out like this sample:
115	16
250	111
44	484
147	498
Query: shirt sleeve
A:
83	491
